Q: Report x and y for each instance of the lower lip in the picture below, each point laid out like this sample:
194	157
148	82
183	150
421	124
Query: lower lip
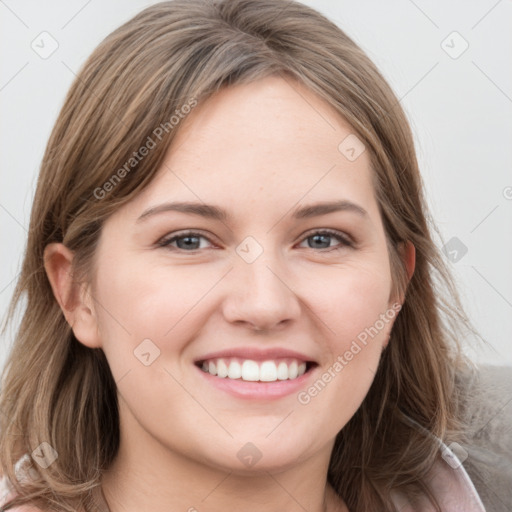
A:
258	390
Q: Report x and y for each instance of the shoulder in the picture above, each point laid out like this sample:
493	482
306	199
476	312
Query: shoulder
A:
487	409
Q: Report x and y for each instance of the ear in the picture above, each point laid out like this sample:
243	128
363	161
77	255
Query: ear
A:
74	299
407	253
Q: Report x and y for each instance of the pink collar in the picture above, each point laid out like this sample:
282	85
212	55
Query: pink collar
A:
450	484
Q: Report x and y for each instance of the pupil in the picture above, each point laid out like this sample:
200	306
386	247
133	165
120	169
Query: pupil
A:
187	241
317	237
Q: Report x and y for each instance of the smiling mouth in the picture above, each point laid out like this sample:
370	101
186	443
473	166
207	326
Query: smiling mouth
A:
248	370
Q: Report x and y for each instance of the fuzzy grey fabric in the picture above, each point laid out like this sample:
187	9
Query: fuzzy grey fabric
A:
488	410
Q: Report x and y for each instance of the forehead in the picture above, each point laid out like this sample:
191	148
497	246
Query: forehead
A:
269	114
271	143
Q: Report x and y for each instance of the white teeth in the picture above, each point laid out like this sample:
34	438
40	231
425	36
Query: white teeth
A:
222	368
250	370
268	371
253	371
234	370
293	370
282	371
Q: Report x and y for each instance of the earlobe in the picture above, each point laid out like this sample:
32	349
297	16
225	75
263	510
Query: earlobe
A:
70	295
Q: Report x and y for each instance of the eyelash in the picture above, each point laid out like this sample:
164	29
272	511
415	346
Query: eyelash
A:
345	241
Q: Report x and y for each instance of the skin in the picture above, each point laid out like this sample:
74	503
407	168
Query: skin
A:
258	150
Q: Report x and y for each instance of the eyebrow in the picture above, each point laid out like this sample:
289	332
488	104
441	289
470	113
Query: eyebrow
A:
217	213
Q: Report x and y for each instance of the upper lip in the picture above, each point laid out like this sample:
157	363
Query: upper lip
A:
257	354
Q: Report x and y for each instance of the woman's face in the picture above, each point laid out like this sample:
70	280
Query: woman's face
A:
269	284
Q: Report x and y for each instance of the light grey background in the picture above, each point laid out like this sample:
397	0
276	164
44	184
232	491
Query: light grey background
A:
459	106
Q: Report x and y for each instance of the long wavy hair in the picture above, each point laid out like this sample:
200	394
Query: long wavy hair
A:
56	390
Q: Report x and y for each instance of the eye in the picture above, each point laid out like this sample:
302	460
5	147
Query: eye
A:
189	241
323	237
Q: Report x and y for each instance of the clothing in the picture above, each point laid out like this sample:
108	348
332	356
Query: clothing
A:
452	487
488	411
472	477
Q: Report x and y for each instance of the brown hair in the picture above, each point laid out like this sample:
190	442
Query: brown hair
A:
172	54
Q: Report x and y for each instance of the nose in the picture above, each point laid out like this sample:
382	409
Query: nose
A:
260	295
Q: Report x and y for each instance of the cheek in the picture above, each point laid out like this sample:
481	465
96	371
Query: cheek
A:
350	299
137	302
359	319
356	320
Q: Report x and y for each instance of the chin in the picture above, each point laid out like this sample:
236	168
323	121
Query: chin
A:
259	453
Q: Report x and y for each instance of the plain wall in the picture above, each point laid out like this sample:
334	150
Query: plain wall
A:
459	104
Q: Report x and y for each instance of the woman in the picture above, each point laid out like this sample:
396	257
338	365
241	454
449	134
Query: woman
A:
186	344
